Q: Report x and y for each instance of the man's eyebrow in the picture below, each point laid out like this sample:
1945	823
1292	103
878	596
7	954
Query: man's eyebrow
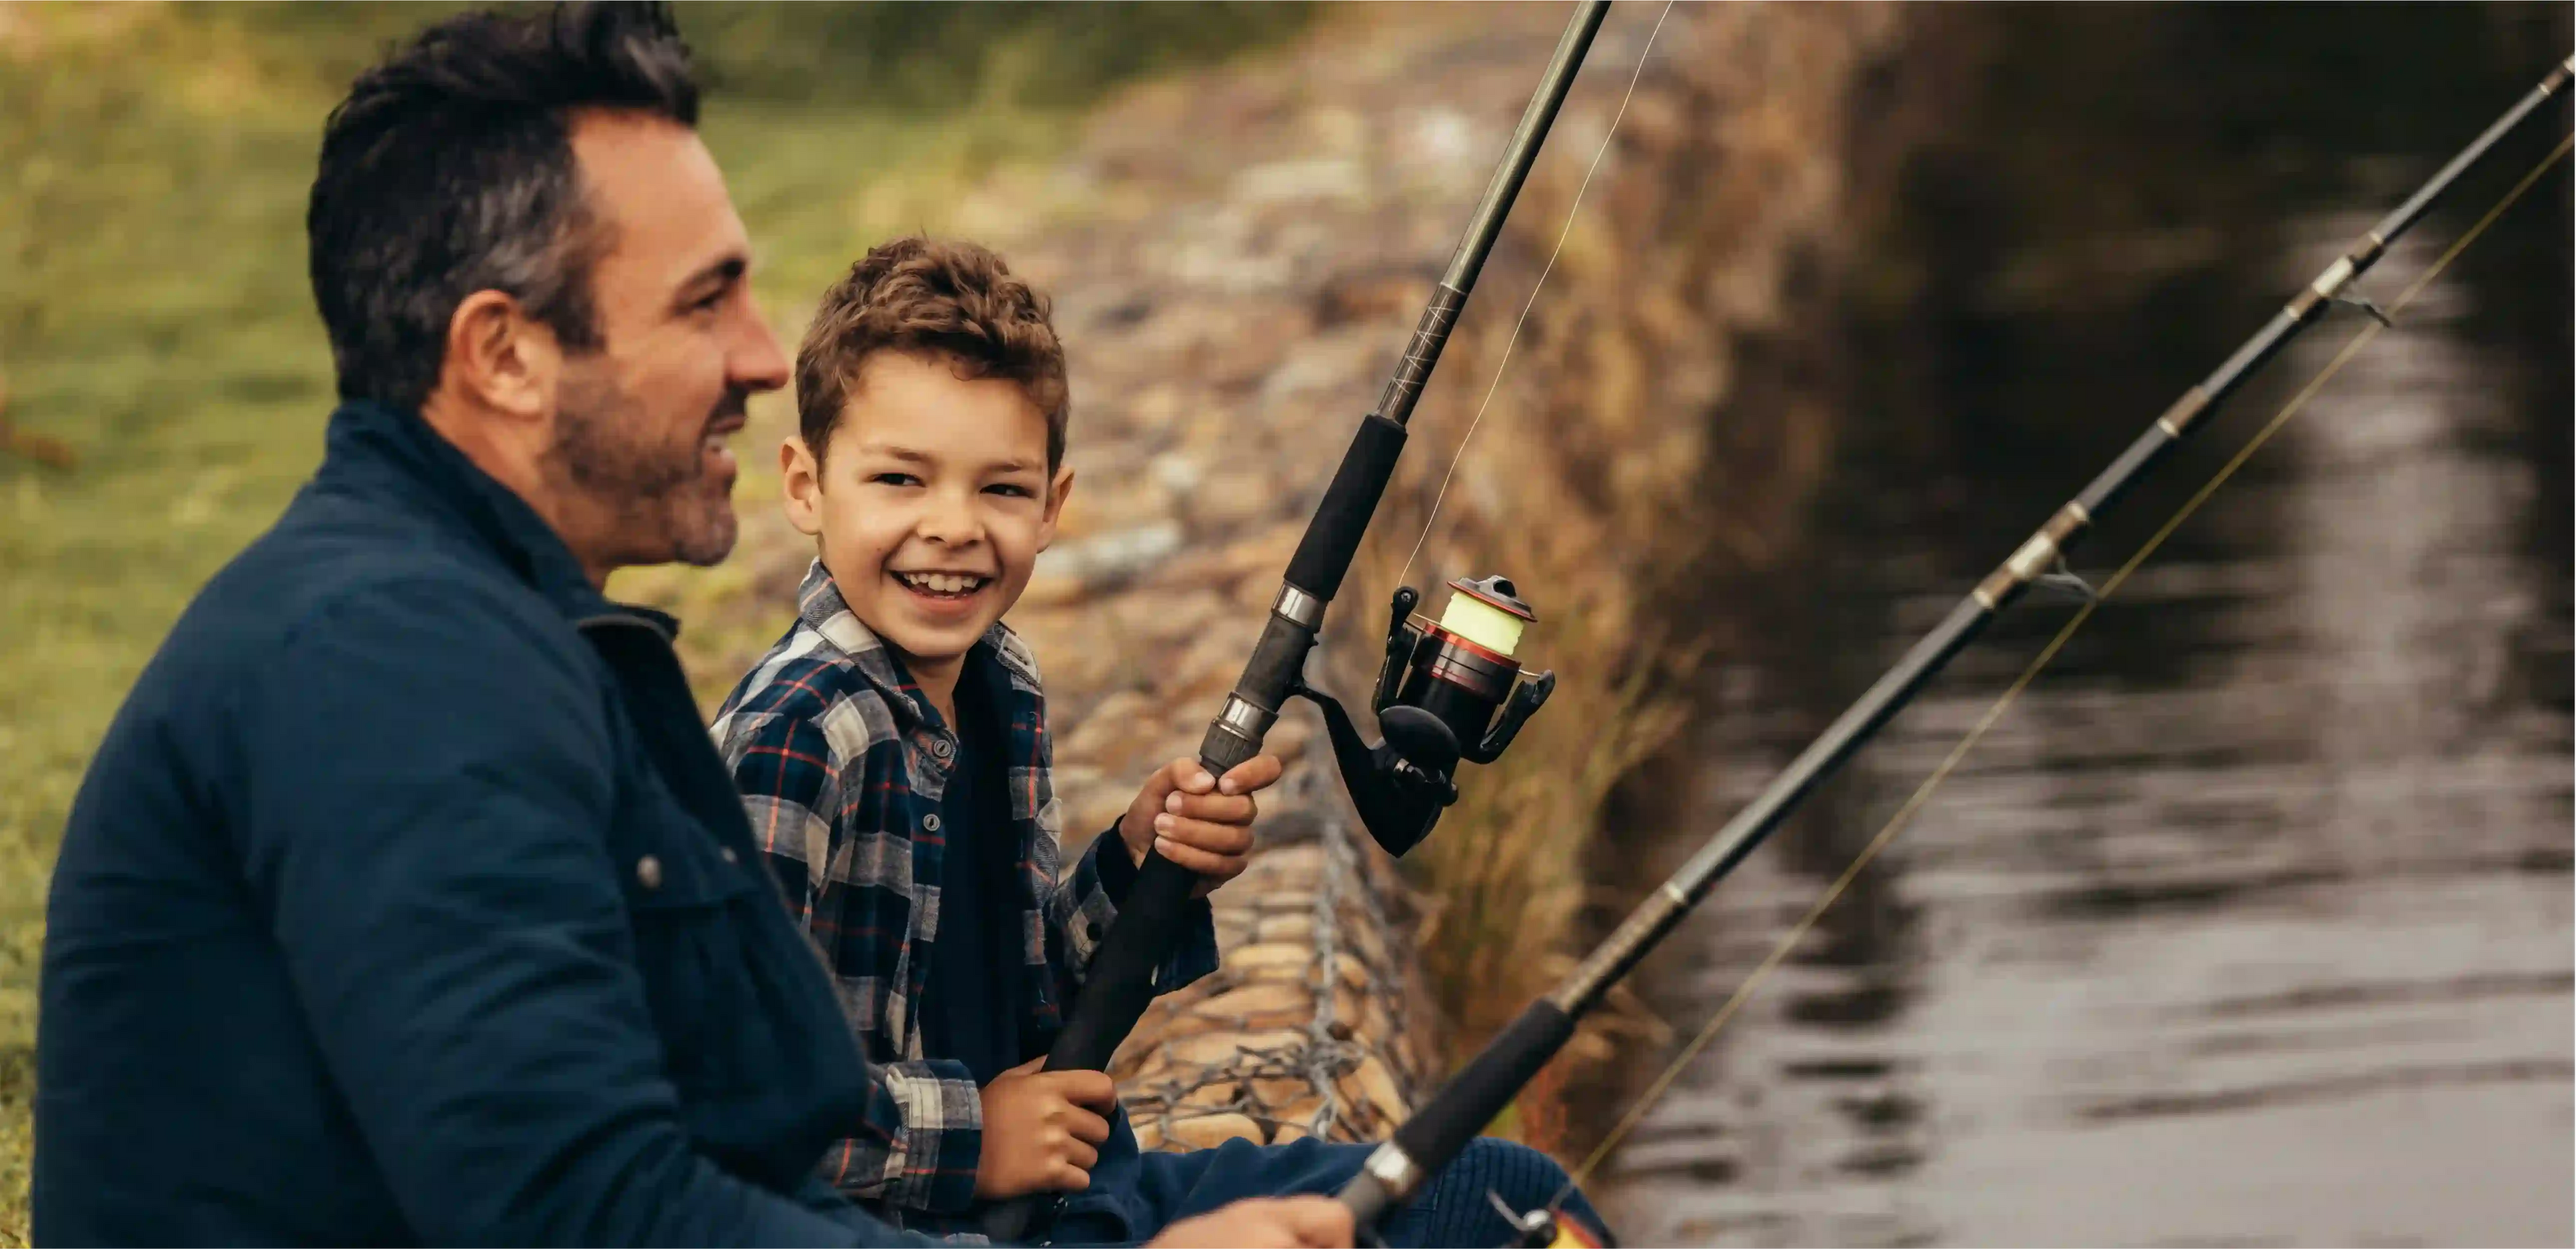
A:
722	273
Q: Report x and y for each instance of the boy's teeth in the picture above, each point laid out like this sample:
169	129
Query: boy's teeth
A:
941	583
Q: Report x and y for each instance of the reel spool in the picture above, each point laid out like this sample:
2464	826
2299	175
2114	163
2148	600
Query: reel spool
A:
1447	690
1455	674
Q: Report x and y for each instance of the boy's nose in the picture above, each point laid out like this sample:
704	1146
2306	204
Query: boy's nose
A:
950	522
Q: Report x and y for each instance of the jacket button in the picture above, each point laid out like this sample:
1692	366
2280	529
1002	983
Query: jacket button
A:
1091	929
728	854
940	748
930	823
648	872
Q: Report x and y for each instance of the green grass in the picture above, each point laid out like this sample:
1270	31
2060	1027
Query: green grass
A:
154	314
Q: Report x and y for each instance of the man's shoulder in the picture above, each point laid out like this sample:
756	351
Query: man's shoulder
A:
315	585
321	583
805	680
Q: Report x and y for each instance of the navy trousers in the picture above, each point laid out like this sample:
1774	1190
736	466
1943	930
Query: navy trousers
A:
1132	1200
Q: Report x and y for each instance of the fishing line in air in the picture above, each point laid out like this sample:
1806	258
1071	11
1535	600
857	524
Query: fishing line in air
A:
1535	288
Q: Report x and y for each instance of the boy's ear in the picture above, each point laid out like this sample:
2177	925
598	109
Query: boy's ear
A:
802	482
1056	493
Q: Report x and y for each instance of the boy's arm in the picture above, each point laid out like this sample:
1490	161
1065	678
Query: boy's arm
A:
919	1140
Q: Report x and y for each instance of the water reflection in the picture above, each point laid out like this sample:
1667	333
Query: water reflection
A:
2250	923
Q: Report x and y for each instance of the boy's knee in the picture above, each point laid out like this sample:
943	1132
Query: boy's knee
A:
1522	1176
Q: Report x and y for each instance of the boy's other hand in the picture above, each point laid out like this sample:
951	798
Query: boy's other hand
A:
1202	824
1042	1130
1264	1223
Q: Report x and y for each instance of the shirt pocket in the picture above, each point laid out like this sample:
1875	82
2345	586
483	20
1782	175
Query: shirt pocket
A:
687	893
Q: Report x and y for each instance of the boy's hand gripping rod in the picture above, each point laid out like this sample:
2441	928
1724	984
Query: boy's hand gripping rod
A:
1432	1138
1435	696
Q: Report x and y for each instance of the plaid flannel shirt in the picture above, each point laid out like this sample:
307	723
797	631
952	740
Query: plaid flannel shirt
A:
842	767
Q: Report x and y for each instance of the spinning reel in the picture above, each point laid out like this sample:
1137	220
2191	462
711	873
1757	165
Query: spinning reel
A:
1438	695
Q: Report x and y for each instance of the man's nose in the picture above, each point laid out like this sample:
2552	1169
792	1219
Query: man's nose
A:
759	363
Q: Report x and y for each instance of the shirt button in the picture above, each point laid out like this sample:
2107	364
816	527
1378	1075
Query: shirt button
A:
648	872
930	823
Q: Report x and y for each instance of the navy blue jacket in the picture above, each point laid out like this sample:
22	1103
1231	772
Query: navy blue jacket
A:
407	900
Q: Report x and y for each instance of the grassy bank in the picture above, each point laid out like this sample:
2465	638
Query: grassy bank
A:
154	316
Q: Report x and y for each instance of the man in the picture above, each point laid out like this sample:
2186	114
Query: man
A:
406	899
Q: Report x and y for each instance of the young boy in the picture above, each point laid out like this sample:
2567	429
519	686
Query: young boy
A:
893	751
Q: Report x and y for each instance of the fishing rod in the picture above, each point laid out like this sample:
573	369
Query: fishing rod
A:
1447	690
1433	1137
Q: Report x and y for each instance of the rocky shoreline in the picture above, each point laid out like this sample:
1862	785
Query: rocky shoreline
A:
1235	256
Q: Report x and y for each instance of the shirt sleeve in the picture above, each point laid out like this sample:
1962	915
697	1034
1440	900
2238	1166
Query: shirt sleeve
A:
784	768
1085	904
427	777
921	1139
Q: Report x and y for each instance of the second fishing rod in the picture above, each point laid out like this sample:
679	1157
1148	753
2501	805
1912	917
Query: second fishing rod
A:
1433	1137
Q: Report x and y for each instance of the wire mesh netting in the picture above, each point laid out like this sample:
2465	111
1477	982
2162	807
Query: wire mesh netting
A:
1314	1023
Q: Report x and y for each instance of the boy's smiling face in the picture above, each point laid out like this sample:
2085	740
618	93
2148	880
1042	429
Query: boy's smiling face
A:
931	503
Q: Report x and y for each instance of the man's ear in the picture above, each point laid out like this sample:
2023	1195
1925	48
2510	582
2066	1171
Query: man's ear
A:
802	479
501	359
1056	494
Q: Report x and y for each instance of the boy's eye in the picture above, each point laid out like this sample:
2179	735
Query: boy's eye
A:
894	479
1012	489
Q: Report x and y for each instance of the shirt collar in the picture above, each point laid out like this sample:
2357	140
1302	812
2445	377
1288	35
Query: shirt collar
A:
372	448
820	607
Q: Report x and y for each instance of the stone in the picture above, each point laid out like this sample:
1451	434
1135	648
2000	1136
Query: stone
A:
1210	1049
1260	1006
1370	1082
1210	1131
1269	962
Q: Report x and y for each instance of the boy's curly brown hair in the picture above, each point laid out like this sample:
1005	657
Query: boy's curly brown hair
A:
924	295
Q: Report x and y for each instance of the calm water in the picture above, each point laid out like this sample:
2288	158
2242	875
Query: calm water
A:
2250	922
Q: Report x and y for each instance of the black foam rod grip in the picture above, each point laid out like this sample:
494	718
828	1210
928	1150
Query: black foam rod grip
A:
1440	1131
1120	984
1342	519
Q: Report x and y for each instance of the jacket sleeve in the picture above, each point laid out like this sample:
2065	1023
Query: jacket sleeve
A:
1085	903
427	778
922	1137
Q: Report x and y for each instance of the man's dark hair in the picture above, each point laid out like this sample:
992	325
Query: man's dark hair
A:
449	169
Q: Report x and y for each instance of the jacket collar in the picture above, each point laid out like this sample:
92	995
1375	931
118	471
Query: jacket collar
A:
379	451
820	607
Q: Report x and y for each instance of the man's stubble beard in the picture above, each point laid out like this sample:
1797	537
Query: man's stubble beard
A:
647	504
